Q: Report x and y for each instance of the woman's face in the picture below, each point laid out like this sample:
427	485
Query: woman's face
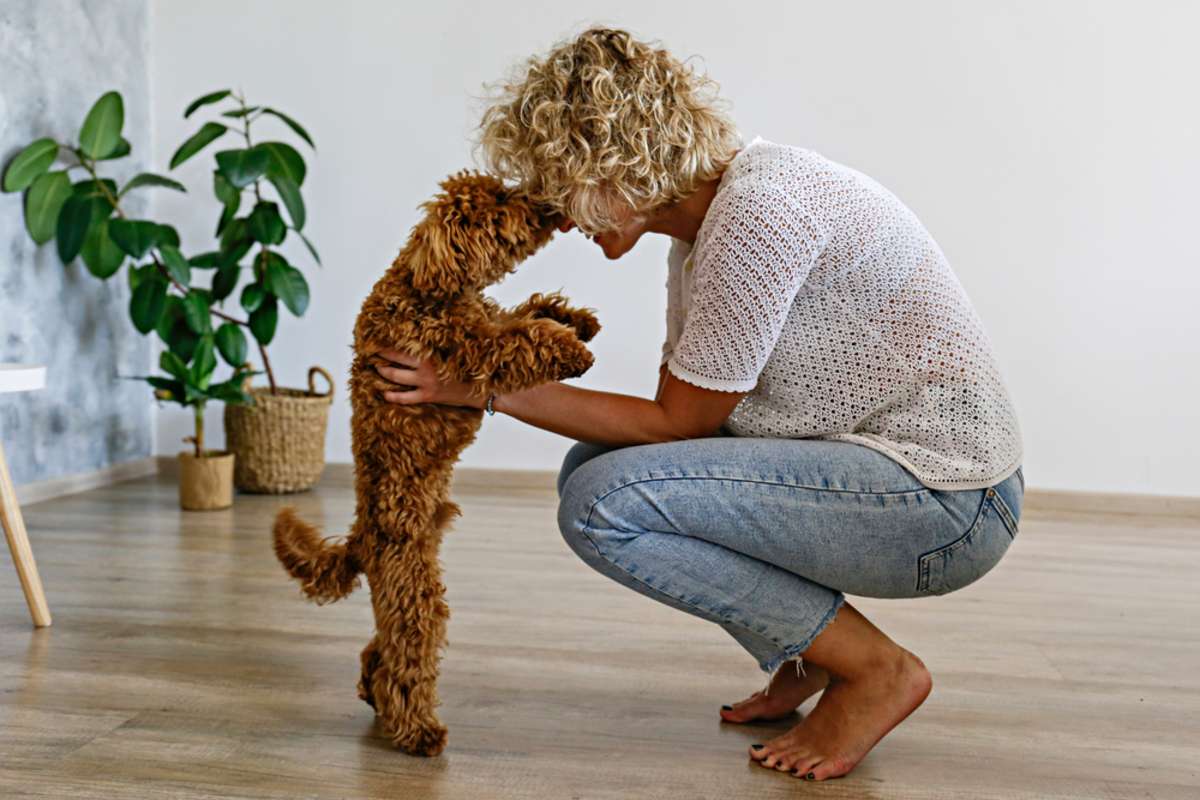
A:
618	242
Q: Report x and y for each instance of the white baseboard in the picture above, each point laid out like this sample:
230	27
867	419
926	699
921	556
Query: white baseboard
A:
484	481
48	489
1112	503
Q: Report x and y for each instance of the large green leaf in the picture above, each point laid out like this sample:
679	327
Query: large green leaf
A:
203	363
122	149
172	313
176	264
195	311
167	389
288	284
238	113
242	167
266	225
102	189
236	250
210	132
289	192
291	123
310	247
43	202
98	193
229	391
225	191
227	215
209	260
143	273
101	255
101	131
30	164
168	235
252	297
225	280
264	319
71	229
136	236
174	331
231	342
147	304
172	364
236	233
284	160
208	99
150	179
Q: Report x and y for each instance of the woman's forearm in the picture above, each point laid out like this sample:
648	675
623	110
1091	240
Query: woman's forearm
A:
589	415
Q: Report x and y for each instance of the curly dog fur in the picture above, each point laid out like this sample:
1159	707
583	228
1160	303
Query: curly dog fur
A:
430	304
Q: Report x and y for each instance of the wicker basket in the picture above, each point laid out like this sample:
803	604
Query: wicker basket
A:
279	439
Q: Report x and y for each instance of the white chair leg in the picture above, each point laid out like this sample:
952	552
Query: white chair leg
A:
18	544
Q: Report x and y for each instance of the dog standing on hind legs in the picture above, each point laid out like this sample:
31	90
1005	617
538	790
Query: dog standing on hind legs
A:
430	304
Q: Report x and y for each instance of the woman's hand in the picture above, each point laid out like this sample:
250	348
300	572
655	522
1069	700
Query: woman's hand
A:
420	375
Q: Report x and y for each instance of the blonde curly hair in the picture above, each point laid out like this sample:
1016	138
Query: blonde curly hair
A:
605	117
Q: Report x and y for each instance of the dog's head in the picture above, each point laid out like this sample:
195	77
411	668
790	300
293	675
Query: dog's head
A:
475	231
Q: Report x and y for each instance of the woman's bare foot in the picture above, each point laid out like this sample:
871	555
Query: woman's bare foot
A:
852	715
788	689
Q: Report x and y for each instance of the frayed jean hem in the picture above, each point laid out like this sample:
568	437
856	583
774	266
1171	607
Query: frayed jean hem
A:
793	651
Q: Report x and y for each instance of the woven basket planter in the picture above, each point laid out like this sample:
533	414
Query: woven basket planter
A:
279	439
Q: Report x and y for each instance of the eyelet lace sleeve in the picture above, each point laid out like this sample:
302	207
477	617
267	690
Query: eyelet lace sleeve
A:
748	264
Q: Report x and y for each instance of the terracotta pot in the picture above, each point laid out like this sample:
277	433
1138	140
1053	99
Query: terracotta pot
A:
205	484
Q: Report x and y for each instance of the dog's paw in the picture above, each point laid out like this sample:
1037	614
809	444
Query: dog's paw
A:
573	361
585	324
423	739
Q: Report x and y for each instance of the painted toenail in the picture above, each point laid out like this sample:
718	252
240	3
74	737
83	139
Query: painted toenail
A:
811	776
727	708
757	746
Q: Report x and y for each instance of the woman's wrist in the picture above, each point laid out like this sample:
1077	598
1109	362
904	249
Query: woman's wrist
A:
509	401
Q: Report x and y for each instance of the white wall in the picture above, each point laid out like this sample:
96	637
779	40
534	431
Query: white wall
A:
1049	148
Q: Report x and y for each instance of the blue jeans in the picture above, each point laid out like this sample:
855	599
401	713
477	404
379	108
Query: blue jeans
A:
763	536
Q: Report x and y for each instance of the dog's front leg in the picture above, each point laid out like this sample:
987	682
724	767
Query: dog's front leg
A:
554	306
523	353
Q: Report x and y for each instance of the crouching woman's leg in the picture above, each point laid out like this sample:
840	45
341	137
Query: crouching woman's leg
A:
696	526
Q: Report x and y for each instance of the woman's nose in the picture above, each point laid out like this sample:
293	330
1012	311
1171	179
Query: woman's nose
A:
565	225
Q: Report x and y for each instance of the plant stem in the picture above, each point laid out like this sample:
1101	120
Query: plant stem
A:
262	351
198	410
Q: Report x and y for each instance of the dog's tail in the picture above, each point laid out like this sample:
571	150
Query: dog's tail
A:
326	572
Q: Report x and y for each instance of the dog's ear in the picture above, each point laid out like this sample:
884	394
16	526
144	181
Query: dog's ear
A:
475	231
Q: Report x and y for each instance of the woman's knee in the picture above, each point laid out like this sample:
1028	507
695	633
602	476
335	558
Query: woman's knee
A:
579	453
580	483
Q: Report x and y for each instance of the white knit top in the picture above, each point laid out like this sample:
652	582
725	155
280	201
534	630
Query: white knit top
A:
814	289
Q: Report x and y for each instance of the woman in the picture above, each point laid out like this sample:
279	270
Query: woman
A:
829	417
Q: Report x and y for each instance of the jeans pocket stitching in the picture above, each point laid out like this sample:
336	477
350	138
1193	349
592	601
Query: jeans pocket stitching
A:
1005	513
927	559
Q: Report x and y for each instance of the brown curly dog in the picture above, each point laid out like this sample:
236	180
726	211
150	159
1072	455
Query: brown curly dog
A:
430	303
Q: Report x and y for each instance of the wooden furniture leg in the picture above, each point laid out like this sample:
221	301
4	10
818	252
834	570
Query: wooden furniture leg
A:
18	544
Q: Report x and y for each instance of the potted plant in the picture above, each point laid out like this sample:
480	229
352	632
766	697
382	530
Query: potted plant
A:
85	218
279	436
205	476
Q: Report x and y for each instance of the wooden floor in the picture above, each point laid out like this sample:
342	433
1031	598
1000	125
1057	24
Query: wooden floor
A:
182	663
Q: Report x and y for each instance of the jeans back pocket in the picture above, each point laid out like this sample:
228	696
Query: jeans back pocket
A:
972	555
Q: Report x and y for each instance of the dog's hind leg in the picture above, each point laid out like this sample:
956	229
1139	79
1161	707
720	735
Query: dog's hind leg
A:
370	662
410	617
